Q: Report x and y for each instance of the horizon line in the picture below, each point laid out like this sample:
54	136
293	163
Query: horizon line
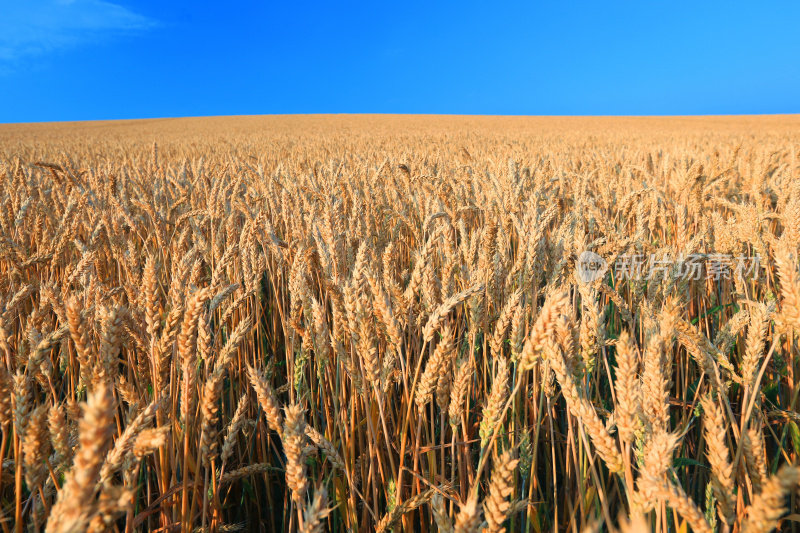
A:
347	114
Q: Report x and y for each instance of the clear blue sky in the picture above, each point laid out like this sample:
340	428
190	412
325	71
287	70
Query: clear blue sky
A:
97	59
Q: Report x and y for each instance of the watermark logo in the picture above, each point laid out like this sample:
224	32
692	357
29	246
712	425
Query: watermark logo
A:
590	267
693	267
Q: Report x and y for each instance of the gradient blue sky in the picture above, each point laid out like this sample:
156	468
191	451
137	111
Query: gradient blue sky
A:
97	59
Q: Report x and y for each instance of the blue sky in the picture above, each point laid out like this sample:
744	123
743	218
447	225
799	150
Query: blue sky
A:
97	59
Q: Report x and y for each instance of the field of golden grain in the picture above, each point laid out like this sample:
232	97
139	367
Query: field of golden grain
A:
400	323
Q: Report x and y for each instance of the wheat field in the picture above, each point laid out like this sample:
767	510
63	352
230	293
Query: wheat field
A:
388	323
